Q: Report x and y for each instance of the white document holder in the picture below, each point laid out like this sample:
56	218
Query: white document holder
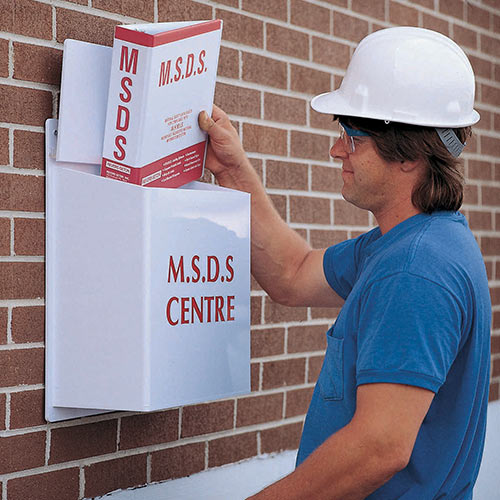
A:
125	329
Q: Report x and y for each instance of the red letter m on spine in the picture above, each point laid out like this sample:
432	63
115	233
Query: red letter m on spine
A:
130	63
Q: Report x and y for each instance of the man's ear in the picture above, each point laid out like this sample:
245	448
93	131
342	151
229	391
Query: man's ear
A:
409	166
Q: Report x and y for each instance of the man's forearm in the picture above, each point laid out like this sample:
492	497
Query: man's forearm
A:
348	466
277	250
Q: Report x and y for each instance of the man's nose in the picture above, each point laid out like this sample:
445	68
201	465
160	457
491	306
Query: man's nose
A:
338	150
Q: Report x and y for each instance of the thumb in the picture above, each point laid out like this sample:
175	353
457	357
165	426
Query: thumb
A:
205	121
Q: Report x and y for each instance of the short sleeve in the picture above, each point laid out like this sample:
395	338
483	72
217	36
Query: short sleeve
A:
409	332
341	263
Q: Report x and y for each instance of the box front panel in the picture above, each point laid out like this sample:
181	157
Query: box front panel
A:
200	299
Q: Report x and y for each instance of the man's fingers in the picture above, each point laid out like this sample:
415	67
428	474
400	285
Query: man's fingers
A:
205	122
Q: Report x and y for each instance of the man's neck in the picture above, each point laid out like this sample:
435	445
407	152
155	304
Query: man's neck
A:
390	218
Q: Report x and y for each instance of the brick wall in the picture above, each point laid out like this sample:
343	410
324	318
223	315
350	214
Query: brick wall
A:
275	55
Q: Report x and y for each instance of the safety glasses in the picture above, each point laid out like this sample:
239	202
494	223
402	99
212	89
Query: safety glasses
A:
351	137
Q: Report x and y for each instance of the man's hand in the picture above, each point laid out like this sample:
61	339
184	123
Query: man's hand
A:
225	152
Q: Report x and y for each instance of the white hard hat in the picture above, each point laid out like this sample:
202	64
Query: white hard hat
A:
407	75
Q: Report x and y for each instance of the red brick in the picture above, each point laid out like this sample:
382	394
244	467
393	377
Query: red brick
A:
256	310
241	29
452	8
22	452
479	170
324	238
122	473
285	109
276	313
147	429
286	175
140	10
82	441
21	367
478	16
490	245
286	41
495	371
183	10
22	192
436	24
207	418
494	391
496	326
349	27
228	63
28	324
85	27
330	53
4	236
471	194
490	45
490	95
269	342
177	462
276	8
283	373
369	8
35	63
314	367
29	149
310	146
238	100
3	402
297	402
465	37
27	409
346	214
495	340
309	81
310	16
254	376
4	318
29	236
4	146
267	140
310	210
327	179
22	280
264	70
232	449
402	15
4	58
307	338
27	18
259	409
480	220
279	202
24	106
490	146
286	437
495	295
61	484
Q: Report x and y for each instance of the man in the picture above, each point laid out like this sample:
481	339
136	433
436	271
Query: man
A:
399	409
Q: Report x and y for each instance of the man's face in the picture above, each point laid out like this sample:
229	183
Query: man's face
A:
369	181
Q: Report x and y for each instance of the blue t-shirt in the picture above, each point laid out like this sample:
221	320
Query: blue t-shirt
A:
417	311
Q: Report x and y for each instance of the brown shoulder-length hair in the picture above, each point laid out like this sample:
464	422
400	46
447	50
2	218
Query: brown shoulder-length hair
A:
442	186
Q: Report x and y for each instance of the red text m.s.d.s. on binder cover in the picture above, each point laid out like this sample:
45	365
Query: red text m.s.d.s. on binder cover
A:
162	76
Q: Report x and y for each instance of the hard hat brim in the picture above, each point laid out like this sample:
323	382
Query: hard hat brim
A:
336	103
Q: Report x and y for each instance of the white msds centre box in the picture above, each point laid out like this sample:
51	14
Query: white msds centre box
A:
147	292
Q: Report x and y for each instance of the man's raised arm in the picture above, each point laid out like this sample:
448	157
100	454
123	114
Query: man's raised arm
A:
283	263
